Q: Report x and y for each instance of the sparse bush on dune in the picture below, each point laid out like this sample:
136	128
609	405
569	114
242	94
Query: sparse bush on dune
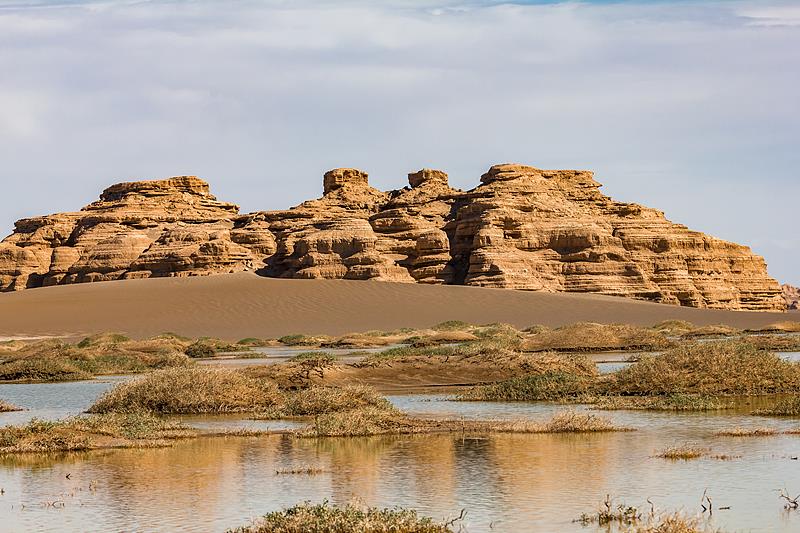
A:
305	517
298	340
674	327
41	368
189	390
731	367
209	347
254	342
54	360
588	336
451	325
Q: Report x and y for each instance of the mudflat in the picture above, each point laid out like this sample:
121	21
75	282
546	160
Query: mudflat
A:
244	304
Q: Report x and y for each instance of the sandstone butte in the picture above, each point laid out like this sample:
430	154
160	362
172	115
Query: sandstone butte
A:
521	228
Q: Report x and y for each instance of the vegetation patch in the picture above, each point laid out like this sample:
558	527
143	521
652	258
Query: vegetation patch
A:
190	390
107	353
785	407
6	407
713	368
683	452
307	517
634	520
747	432
90	432
531	387
668	402
300	471
589	336
369	421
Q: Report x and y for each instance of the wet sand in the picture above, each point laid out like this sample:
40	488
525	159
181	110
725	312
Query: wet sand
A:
245	305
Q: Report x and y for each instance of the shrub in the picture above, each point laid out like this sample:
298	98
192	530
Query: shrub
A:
47	368
588	336
731	367
189	390
532	387
295	340
322	400
785	407
684	452
323	517
200	349
669	402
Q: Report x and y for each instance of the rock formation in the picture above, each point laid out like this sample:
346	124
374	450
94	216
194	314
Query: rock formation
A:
792	296
521	228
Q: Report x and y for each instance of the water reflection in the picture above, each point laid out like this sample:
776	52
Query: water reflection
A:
515	482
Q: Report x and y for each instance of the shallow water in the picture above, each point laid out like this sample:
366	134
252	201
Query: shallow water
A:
514	482
511	482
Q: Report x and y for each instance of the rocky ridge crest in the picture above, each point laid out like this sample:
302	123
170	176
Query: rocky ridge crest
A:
521	228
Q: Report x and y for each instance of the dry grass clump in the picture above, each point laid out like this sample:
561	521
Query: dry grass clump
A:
634	520
672	523
365	421
322	400
300	372
785	407
683	452
306	518
787	326
731	367
254	342
45	368
189	390
778	343
579	422
6	407
300	470
107	353
747	432
669	402
209	347
589	336
532	387
89	432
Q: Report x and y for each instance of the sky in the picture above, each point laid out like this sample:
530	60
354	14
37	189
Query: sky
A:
690	107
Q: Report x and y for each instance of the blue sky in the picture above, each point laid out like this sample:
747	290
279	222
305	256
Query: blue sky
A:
690	107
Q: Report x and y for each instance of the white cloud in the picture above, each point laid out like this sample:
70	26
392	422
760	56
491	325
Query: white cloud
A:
675	105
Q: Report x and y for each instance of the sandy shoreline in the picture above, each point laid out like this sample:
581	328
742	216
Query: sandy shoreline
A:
245	305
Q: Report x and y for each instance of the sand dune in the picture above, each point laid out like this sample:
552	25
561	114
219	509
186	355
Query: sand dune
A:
245	305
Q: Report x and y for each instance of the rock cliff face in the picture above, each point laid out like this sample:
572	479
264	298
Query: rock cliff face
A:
521	228
792	296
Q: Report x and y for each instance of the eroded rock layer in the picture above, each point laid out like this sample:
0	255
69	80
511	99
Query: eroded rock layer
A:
792	296
521	228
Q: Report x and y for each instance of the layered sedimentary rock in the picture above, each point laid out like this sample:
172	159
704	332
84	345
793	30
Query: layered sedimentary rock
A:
521	228
792	296
171	227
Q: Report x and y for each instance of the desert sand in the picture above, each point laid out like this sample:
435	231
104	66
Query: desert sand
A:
245	305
